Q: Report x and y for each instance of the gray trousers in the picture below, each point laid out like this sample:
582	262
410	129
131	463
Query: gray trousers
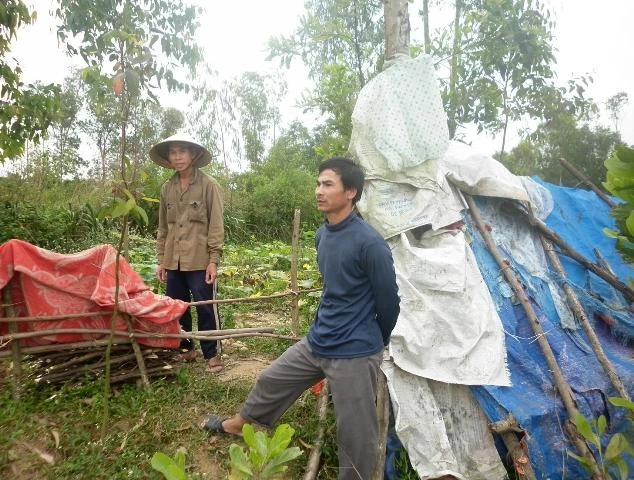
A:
352	382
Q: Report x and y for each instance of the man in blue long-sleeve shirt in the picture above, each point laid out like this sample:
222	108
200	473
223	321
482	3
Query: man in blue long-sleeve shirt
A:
358	310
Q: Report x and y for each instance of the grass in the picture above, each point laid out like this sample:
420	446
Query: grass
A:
64	426
57	433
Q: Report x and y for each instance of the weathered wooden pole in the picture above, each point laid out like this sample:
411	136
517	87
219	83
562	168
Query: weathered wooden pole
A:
584	179
560	382
396	28
312	468
577	308
16	373
383	417
507	430
294	255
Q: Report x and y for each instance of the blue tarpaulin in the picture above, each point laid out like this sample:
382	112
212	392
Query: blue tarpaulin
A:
578	217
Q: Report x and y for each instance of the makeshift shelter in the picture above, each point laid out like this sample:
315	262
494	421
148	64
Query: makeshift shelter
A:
42	283
463	354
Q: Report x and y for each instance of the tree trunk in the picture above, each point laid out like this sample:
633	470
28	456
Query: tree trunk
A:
426	26
396	28
453	75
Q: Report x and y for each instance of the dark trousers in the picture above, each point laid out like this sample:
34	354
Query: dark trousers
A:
185	285
352	383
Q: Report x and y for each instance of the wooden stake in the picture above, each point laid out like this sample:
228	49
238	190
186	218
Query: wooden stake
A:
584	179
16	371
383	417
565	392
294	250
506	430
312	468
137	353
580	314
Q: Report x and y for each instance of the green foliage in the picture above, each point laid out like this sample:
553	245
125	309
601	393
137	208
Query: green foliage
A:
63	230
266	455
611	461
126	36
620	182
171	468
500	55
584	146
341	43
26	111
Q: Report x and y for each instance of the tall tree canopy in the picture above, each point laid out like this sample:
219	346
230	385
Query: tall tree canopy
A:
585	146
500	68
26	111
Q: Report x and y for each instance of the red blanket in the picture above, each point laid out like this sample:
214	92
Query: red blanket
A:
44	283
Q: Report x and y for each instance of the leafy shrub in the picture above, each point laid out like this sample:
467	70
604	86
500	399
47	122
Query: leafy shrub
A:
620	182
266	457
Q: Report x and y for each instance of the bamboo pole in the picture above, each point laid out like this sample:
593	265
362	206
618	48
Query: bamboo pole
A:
506	430
203	335
567	250
312	467
561	384
191	304
584	179
383	417
55	376
137	353
62	347
294	249
579	312
210	334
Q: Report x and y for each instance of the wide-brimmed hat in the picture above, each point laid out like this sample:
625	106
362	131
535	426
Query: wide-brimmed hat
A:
158	153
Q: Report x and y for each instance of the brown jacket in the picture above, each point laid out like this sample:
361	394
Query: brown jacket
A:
190	230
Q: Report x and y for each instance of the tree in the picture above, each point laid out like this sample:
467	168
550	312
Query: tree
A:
342	44
585	146
500	58
26	111
614	105
257	97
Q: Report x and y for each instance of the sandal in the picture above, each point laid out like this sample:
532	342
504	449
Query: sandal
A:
217	368
185	357
213	424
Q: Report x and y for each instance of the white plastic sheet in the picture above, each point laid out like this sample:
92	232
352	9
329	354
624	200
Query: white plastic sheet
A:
448	329
442	428
400	114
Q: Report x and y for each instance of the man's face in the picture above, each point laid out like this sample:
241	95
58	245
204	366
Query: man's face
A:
331	196
180	156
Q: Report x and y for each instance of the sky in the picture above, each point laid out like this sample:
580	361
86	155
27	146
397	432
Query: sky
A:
591	38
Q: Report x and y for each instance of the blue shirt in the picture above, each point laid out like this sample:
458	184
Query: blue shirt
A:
359	304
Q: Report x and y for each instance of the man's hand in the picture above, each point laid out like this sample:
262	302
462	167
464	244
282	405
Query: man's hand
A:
161	274
211	273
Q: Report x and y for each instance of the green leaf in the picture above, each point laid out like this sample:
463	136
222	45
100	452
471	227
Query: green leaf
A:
168	467
601	424
179	457
140	214
629	223
584	428
276	464
281	439
617	445
623	469
622	402
239	461
582	460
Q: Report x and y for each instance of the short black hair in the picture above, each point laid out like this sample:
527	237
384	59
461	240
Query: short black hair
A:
351	174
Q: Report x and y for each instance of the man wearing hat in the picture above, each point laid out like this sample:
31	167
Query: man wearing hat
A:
190	236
